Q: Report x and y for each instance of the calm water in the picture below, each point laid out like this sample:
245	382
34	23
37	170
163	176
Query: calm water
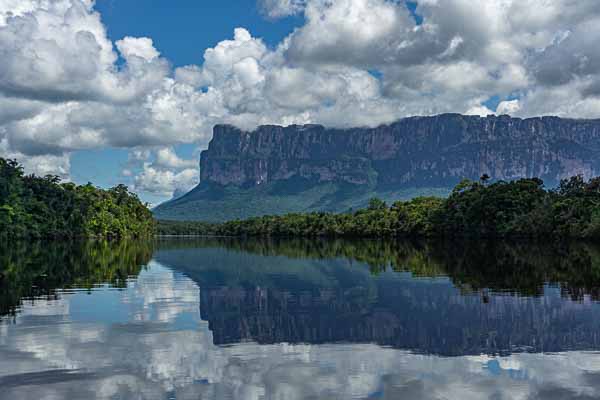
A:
223	319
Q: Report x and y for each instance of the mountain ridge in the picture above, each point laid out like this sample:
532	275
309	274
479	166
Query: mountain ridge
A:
298	168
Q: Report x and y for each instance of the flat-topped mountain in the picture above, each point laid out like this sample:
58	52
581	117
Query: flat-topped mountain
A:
276	169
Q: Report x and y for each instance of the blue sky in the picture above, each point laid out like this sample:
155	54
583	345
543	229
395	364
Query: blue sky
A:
183	29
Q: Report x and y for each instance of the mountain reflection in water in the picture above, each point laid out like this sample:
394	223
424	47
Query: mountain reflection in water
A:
224	318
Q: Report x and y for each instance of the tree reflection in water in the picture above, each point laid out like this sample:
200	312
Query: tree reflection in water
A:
31	270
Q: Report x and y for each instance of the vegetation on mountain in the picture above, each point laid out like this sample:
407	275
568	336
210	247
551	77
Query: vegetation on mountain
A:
521	208
45	207
210	202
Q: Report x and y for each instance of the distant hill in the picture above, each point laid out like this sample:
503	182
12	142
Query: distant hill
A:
275	170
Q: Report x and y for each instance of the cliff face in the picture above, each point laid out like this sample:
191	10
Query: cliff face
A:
413	152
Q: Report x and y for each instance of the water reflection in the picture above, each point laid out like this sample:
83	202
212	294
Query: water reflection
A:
35	270
439	299
291	320
514	267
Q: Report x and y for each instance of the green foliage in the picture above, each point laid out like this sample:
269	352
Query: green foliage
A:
377	204
184	228
521	208
43	207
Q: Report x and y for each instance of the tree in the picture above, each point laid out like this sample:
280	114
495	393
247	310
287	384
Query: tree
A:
377	204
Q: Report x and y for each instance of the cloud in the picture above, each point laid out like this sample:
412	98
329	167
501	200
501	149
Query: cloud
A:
130	47
363	33
463	52
65	86
482	111
281	8
167	158
165	183
161	171
509	107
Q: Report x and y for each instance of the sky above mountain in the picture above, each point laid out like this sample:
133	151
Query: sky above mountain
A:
113	91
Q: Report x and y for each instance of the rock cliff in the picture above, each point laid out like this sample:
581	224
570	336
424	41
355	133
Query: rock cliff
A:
412	153
418	151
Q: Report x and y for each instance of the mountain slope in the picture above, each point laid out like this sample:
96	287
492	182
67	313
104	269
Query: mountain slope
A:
215	203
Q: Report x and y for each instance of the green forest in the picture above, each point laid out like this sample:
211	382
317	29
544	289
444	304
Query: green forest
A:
45	207
475	209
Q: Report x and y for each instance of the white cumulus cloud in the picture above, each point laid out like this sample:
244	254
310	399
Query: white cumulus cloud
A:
281	8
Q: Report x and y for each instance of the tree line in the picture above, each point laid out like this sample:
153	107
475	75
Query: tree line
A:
44	207
522	208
